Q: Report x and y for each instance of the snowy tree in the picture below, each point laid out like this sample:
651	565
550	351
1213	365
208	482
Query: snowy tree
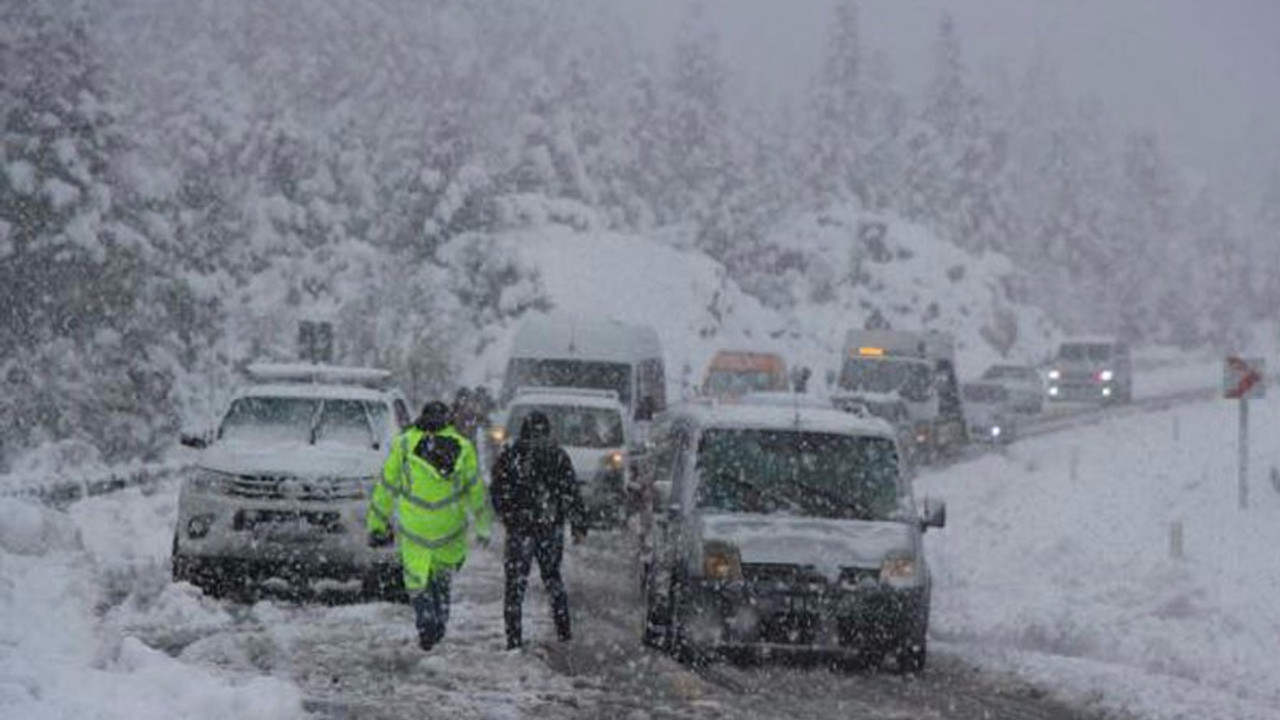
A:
76	254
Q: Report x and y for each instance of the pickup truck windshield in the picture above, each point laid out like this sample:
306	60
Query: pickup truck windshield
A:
309	420
798	473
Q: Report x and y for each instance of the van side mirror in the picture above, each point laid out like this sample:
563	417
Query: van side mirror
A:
645	408
934	514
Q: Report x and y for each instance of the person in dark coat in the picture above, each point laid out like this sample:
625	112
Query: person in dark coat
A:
535	493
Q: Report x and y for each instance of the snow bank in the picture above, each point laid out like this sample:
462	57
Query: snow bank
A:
918	281
60	574
1060	562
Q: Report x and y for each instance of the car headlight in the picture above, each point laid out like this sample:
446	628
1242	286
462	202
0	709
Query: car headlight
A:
995	431
922	433
899	570
1105	376
1055	374
497	434
721	561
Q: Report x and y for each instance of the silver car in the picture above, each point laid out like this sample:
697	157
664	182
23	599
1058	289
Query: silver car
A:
278	493
595	430
784	531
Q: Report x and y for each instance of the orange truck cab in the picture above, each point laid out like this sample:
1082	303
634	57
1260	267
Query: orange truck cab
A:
734	373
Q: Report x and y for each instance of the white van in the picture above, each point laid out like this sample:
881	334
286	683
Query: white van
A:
590	353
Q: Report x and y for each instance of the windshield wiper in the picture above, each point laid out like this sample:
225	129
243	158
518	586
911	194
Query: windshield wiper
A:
860	510
763	492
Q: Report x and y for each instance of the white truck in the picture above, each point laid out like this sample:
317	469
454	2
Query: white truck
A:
919	369
595	353
279	490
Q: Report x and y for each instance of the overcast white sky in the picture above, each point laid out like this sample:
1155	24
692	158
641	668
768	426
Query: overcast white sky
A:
1204	74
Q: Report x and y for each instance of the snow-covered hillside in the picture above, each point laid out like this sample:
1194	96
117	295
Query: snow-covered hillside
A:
837	278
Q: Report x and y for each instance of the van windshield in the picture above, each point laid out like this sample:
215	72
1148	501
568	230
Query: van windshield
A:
736	383
574	425
798	473
592	374
912	379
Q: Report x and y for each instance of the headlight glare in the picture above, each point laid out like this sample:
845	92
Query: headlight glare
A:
498	434
614	460
1055	374
1105	376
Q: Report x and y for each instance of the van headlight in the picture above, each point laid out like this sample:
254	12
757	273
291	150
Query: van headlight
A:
721	561
899	571
614	460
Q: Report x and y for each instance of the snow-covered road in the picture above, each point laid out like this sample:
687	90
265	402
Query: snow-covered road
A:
1056	597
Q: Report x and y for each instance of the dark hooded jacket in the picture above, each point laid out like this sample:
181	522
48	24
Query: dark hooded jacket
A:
534	487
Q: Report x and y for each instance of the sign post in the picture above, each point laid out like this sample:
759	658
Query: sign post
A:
1242	380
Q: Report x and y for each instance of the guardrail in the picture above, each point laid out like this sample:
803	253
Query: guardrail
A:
65	492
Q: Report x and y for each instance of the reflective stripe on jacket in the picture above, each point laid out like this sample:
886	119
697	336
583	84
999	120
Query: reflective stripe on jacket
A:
429	511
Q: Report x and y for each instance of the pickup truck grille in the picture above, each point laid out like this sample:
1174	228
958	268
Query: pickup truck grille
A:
275	487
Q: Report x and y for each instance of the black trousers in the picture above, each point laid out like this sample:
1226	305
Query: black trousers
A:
431	608
522	548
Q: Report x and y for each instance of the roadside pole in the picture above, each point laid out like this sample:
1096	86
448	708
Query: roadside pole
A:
1243	380
1244	454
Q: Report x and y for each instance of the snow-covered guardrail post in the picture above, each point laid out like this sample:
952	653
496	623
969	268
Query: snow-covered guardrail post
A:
1244	379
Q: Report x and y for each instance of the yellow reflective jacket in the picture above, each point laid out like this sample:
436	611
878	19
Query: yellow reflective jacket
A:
429	511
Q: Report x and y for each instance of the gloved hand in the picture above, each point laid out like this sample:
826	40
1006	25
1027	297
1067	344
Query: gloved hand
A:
579	535
380	539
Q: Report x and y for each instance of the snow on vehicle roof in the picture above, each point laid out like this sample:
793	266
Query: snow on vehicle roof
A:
1091	340
312	372
773	417
564	337
883	398
783	398
916	343
580	397
314	390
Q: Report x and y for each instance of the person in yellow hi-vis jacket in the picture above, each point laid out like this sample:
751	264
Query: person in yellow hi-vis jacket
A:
429	487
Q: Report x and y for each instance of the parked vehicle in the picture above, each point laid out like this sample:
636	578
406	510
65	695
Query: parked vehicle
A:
280	488
1098	370
596	431
919	368
784	531
891	408
991	412
1025	385
734	373
589	353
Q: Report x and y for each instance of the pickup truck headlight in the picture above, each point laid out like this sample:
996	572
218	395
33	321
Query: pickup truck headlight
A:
721	561
899	571
209	481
